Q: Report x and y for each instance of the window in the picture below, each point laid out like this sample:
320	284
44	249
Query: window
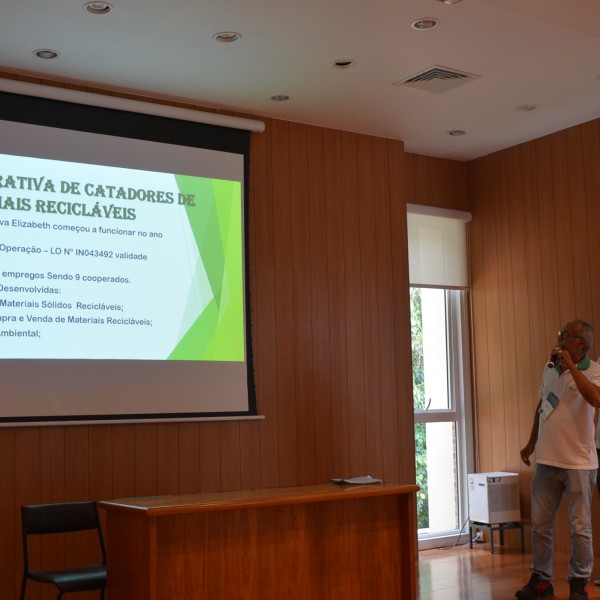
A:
441	386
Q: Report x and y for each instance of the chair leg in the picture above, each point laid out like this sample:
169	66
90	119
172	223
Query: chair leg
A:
23	586
102	594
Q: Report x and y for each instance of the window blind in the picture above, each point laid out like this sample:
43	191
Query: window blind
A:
437	247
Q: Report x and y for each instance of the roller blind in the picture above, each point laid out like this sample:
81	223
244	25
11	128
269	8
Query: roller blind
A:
437	247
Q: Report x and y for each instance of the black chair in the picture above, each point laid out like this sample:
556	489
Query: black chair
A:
64	517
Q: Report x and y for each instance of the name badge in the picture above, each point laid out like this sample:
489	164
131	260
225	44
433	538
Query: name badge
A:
549	403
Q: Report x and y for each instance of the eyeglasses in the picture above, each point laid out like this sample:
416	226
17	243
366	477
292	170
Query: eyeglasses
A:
565	335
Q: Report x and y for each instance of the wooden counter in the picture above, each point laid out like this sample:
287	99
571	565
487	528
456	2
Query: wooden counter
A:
313	542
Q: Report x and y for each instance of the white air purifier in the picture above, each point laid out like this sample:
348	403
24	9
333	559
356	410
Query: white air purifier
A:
494	497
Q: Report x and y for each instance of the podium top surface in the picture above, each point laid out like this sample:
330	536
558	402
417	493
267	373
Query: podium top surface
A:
153	506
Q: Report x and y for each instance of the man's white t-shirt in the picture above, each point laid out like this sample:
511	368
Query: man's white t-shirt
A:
566	435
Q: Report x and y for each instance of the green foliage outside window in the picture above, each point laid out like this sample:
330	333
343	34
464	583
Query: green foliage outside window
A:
416	320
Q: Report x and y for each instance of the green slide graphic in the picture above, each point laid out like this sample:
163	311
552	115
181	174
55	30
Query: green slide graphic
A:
217	333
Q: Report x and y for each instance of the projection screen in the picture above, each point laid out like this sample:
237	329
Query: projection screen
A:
122	266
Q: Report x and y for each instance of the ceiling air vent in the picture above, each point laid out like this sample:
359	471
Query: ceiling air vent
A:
437	79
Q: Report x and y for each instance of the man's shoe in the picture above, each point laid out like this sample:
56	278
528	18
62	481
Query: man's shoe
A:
537	588
597	580
578	589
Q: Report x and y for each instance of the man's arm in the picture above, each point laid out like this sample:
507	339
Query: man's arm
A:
527	451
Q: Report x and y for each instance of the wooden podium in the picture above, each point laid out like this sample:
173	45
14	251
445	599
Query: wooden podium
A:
314	542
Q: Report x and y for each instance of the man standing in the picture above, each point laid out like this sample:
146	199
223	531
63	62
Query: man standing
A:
566	461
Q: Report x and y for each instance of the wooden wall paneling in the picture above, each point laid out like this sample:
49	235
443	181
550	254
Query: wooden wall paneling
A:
550	274
368	171
402	327
518	374
304	332
77	463
52	463
320	378
591	169
100	462
436	182
249	455
500	318
262	278
480	383
123	460
336	279
579	219
385	310
483	274
230	455
146	460
284	305
10	520
534	298
504	353
167	458
188	440
354	305
563	233
210	456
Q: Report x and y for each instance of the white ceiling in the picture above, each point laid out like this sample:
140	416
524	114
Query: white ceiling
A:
541	52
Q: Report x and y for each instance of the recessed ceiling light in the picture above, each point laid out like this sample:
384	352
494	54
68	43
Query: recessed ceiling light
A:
227	36
449	1
424	23
456	132
46	53
98	8
343	63
280	98
527	107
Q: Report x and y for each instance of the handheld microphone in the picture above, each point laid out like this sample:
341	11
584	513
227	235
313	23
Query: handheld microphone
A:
553	360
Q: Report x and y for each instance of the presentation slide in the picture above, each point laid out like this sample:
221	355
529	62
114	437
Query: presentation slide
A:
111	263
122	267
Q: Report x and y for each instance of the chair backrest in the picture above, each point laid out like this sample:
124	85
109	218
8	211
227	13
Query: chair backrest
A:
64	517
59	518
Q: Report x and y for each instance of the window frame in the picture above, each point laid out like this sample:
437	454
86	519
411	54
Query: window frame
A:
460	399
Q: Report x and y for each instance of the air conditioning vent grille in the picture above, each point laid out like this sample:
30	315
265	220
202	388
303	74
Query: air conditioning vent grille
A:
437	79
